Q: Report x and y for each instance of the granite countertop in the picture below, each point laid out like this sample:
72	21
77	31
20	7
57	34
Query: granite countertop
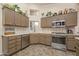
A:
40	33
77	35
13	35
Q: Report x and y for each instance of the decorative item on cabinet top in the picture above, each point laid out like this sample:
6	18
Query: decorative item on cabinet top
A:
14	7
49	13
60	12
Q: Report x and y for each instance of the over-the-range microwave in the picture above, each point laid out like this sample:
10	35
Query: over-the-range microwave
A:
58	23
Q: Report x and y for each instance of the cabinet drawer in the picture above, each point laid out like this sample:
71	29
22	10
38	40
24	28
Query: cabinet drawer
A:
70	37
12	41
18	40
11	45
19	36
18	43
12	37
12	50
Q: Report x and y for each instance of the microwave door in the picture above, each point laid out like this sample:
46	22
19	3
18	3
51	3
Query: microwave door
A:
58	24
63	23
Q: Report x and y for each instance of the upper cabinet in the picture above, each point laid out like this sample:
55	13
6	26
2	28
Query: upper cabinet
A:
24	21
17	19
8	17
46	22
11	18
70	20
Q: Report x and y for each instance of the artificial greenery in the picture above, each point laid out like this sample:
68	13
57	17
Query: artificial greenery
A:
49	13
14	7
55	14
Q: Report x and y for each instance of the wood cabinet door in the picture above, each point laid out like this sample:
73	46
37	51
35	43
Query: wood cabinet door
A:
71	44
18	19
71	19
34	38
18	42
49	22
8	17
44	22
24	21
59	17
45	39
11	51
27	21
77	47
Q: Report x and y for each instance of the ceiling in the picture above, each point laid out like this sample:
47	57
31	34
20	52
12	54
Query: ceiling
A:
39	3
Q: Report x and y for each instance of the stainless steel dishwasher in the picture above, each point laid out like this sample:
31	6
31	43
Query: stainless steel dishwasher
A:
25	40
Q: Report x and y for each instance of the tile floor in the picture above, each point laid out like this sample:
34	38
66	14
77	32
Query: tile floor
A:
42	50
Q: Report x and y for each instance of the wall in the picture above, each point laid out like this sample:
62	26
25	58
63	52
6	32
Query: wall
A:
55	8
1	29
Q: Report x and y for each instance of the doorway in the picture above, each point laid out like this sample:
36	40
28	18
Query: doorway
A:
34	26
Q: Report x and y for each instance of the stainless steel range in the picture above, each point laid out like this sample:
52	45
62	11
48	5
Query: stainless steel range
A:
59	41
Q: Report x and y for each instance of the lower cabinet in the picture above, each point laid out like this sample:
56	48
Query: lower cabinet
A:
45	39
77	47
40	38
25	40
34	38
71	43
11	44
18	42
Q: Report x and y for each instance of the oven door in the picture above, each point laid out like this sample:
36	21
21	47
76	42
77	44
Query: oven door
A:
59	42
59	39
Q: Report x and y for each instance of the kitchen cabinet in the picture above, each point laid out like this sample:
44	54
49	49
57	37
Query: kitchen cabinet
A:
18	19
34	38
25	40
27	21
21	20
8	17
46	22
18	42
71	43
11	44
46	39
40	38
77	47
24	21
58	17
12	18
71	19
